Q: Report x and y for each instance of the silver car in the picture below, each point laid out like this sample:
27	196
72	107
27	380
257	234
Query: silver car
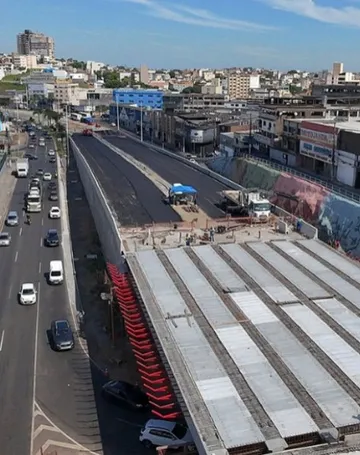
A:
12	219
5	239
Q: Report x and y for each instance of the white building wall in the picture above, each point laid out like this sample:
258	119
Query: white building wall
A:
254	81
347	164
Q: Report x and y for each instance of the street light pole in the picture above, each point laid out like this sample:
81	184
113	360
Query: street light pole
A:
67	136
117	114
141	123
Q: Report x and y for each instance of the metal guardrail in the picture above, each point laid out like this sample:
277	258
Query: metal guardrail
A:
336	189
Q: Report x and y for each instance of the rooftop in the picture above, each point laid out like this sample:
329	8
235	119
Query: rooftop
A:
263	339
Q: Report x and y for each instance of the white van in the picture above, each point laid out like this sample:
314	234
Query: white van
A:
56	273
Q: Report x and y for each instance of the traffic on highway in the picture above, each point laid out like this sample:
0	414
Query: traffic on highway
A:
44	395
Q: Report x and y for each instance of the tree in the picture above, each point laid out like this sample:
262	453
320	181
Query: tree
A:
195	89
295	89
172	74
79	65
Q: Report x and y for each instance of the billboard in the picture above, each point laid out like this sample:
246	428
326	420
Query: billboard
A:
318	133
318	152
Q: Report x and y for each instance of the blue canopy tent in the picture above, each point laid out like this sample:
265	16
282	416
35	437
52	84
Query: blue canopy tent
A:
182	194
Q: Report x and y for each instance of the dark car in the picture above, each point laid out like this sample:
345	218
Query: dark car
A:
52	186
62	336
121	392
52	160
52	238
53	196
40	172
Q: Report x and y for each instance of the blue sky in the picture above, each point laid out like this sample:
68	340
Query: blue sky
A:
284	34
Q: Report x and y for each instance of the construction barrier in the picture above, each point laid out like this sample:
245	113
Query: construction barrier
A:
153	375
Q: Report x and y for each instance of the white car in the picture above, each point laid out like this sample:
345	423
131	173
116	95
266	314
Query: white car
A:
47	176
55	213
27	294
193	161
5	239
164	433
51	152
31	146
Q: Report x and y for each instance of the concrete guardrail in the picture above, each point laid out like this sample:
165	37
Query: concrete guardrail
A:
105	220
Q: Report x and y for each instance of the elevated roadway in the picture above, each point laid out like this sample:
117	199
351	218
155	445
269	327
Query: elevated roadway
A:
59	383
134	198
173	171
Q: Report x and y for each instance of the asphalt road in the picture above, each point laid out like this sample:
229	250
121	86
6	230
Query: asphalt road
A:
59	382
135	199
17	331
119	426
174	171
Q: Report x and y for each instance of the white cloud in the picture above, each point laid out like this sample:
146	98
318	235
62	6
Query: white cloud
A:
345	15
199	17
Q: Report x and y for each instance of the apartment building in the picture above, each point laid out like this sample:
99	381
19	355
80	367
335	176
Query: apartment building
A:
214	87
240	84
91	66
30	42
192	101
24	61
66	92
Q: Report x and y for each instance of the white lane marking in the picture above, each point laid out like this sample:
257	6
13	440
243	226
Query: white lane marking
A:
20	233
41	242
10	290
42	222
35	367
2	340
16	256
79	446
39	267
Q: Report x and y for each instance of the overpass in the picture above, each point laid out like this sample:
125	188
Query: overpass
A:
253	343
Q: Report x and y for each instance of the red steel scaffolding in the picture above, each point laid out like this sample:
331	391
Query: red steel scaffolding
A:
154	377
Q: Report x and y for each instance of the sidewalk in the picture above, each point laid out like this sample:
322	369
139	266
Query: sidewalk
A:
7	186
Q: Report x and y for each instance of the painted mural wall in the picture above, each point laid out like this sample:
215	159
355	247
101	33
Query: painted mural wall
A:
334	216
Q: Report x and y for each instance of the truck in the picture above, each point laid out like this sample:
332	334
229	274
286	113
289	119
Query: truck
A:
180	194
250	203
34	197
22	168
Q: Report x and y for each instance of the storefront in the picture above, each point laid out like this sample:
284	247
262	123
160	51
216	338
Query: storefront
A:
317	148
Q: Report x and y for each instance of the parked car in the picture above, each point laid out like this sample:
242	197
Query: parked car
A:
62	336
124	393
164	433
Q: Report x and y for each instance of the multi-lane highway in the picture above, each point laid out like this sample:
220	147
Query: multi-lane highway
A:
59	383
134	197
174	171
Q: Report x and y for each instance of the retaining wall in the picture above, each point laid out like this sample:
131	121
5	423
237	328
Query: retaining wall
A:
335	216
105	220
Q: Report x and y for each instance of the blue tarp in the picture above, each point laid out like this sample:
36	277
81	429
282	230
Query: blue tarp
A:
182	189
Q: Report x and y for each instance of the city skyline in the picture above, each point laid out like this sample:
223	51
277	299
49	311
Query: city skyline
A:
265	33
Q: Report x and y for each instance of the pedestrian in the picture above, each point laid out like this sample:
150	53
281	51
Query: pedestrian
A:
212	234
